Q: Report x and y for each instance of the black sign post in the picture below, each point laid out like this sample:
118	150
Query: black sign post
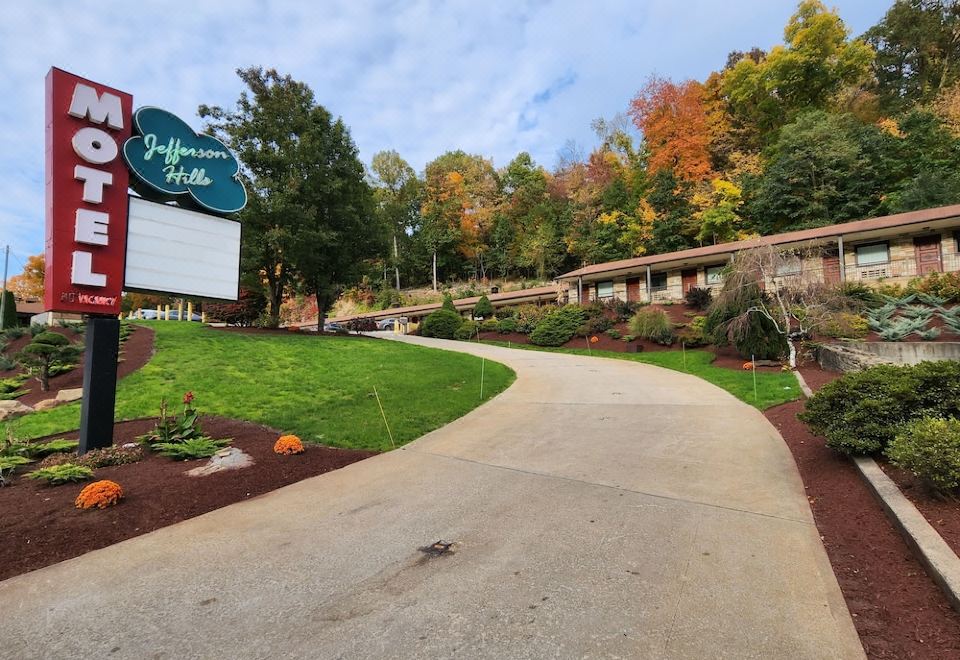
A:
99	383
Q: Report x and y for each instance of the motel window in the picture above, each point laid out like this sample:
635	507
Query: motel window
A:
791	265
714	274
874	253
605	290
658	281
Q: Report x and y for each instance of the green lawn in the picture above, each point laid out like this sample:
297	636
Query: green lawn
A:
772	388
320	388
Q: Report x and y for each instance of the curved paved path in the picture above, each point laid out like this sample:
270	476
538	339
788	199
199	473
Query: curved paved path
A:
600	508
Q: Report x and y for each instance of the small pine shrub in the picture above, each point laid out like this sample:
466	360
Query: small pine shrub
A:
930	449
61	474
846	326
202	447
14	332
56	446
99	494
653	325
6	363
490	325
594	326
861	293
288	445
484	308
698	298
613	333
441	324
528	316
945	286
467	330
928	335
861	412
8	464
619	310
448	303
557	327
35	329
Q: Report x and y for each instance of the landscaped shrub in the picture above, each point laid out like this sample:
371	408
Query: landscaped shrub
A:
930	449
13	332
362	325
861	412
467	330
693	335
448	303
508	324
845	326
698	297
653	325
61	474
10	387
613	333
41	449
441	324
7	466
484	308
245	312
99	494
620	310
528	316
557	327
6	363
941	285
106	456
44	352
9	310
288	445
594	326
860	292
175	428
490	325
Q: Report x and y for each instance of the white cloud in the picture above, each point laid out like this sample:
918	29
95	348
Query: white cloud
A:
421	77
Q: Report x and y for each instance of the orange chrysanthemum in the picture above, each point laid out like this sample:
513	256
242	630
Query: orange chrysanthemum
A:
747	366
287	445
594	339
99	494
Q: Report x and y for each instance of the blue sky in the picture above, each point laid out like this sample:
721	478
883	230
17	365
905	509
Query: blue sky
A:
493	78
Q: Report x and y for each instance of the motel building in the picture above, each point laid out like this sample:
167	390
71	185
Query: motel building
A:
890	249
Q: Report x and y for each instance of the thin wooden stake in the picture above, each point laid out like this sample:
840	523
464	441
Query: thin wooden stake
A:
587	339
753	363
384	415
683	347
483	364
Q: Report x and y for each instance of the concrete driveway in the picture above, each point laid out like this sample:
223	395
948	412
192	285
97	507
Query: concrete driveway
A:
597	509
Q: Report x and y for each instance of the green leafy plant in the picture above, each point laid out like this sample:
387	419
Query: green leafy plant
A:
6	363
594	326
847	326
202	447
861	412
557	327
613	333
490	325
917	312
442	324
10	387
61	474
930	449
929	334
943	286
57	446
528	316
14	332
653	325
175	428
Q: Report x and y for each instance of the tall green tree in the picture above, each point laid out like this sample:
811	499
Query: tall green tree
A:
917	47
816	62
309	220
396	190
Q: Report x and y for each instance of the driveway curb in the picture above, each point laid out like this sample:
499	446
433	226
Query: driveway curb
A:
937	557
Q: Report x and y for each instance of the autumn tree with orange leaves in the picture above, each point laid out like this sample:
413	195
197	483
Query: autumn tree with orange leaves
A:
674	124
28	285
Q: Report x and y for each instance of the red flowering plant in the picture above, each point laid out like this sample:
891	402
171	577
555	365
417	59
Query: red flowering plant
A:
175	428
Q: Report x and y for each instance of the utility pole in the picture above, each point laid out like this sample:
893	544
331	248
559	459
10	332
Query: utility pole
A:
3	298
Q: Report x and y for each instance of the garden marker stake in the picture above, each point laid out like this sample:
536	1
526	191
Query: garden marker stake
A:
587	339
382	414
683	347
483	364
753	368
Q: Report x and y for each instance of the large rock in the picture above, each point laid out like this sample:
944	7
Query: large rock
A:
13	408
68	396
46	404
844	358
229	458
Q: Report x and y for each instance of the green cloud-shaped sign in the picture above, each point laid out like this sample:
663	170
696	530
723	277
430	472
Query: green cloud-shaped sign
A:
169	159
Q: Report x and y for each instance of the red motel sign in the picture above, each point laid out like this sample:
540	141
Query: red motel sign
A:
86	186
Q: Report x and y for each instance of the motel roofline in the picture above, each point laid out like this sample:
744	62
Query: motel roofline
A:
858	229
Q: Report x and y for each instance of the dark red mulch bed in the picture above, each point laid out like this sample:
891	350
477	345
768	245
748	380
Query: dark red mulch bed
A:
135	352
897	609
942	513
40	525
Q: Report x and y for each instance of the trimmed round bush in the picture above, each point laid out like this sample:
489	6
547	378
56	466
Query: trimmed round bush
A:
861	412
490	325
467	330
930	449
653	325
507	325
483	308
441	324
557	327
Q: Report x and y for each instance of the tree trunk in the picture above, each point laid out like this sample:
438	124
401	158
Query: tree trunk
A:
434	270
793	353
396	261
44	378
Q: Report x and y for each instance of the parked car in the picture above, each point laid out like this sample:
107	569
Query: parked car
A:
386	324
151	315
333	327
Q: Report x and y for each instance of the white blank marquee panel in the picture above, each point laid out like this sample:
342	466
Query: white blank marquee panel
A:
174	250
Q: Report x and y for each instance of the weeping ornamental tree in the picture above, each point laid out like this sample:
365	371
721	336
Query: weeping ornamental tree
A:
772	298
